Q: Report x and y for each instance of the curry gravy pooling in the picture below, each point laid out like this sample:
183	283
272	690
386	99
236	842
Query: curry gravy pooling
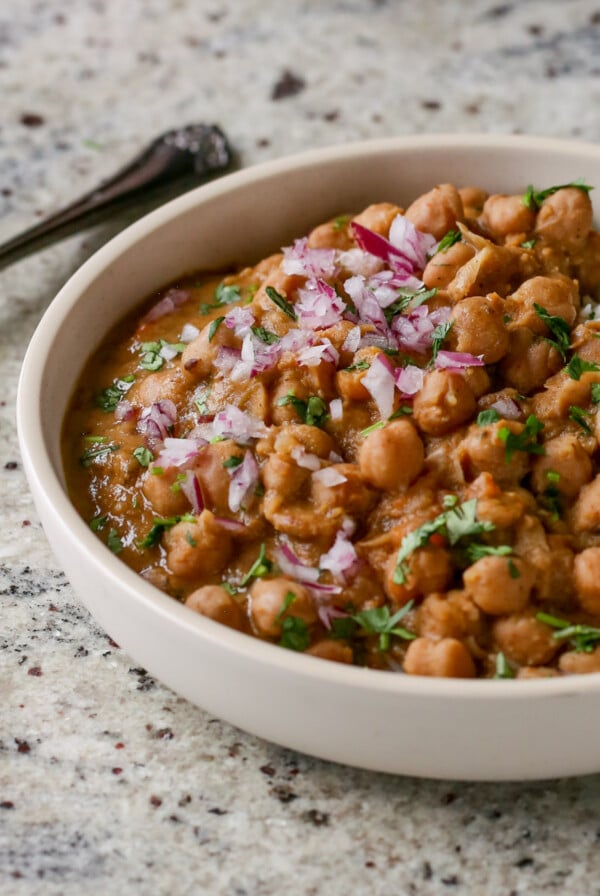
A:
379	447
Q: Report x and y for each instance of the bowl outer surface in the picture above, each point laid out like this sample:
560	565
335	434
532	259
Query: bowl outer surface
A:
470	730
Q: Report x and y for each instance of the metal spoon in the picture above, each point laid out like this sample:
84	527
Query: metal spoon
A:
178	158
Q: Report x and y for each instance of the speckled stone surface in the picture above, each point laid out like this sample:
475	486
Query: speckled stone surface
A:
109	783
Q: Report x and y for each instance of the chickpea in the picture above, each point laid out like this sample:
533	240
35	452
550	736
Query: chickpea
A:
164	493
492	585
558	295
478	380
524	640
529	362
437	211
443	267
531	672
482	451
214	602
267	602
492	269
478	327
391	458
332	235
447	658
282	475
445	401
573	663
503	215
349	382
473	200
585	515
452	615
430	569
289	381
199	355
353	495
171	383
566	218
327	649
587	269
214	478
196	549
586	574
378	217
565	466
311	438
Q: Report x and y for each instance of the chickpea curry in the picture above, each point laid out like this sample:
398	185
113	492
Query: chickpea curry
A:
379	447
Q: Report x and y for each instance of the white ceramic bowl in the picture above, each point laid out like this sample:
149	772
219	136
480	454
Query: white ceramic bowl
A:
378	720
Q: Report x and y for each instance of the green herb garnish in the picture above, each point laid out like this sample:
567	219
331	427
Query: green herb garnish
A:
503	670
281	302
91	454
528	244
414	297
143	455
533	198
265	335
595	393
583	638
190	539
449	239
114	542
526	441
294	631
232	462
160	526
577	366
313	411
486	418
98	523
262	566
214	326
379	622
437	339
559	329
224	295
578	415
403	411
109	398
476	551
341	222
363	364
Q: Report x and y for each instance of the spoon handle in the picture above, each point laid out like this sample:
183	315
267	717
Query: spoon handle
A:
185	154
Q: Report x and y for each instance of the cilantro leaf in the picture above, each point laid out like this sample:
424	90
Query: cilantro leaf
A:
486	418
214	326
114	542
437	339
95	452
577	366
265	335
533	198
526	441
403	411
595	393
578	415
143	455
449	239
160	526
313	411
583	638
281	302
503	670
98	523
341	222
476	551
559	329
294	631
232	462
528	244
109	398
261	566
378	621
226	293
413	297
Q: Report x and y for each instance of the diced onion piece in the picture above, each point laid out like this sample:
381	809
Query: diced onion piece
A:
306	460
189	333
124	411
328	614
169	302
232	423
412	243
291	565
179	452
507	408
301	260
329	477
352	340
379	381
191	489
155	421
239	320
457	360
409	380
244	479
341	560
336	409
319	306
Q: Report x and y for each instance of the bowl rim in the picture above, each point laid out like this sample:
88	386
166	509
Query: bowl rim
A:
42	475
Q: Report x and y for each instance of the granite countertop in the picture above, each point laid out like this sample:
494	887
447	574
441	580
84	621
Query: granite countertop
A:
110	783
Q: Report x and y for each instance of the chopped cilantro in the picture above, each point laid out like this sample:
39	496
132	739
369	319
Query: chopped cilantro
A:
513	570
503	670
95	452
413	297
109	398
158	471
486	418
552	476
578	415
437	339
201	402
143	455
343	627
265	335
261	566
449	239
214	326
294	631
363	364
577	366
526	441
533	198
160	525
114	542
378	621
528	244
403	411
98	523
225	294
476	551
457	522
558	327
313	411
152	358
281	302
583	638
229	588
595	393
341	222
190	539
232	462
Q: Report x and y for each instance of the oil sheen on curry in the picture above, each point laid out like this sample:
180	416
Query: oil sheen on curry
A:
378	447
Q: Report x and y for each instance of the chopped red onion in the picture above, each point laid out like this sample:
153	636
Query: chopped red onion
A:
240	320
169	302
291	565
306	262
315	354
335	458
415	330
329	477
377	245
507	408
156	421
295	340
227	358
304	459
413	243
232	423
191	489
355	261
189	333
352	340
244	479
379	381
124	411
336	409
328	614
409	380
369	309
168	352
179	452
457	360
319	305
341	560
234	526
